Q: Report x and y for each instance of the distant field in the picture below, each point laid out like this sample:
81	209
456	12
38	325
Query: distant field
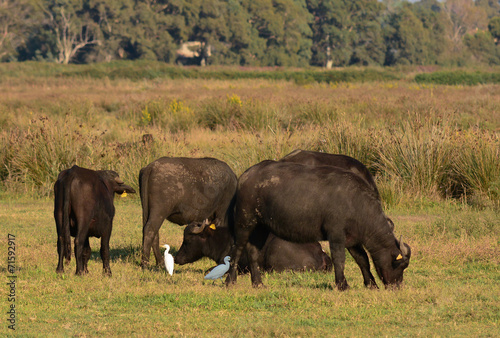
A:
434	151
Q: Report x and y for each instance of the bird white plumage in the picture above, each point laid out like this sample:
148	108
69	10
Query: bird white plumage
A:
220	270
169	260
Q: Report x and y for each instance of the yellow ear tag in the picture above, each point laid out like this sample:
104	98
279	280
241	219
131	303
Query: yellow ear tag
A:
124	194
212	226
399	257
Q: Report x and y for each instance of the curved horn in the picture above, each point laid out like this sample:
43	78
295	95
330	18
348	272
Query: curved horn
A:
402	247
199	229
119	180
391	223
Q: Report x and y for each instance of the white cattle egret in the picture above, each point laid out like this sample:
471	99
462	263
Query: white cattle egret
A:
169	260
220	270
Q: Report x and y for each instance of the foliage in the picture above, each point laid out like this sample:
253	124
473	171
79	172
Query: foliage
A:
458	78
296	33
494	28
15	19
483	48
140	70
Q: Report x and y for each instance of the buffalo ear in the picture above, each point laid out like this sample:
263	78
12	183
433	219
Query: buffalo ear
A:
215	224
396	255
120	189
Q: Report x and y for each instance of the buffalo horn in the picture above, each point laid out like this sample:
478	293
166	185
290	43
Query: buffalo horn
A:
199	229
118	180
402	246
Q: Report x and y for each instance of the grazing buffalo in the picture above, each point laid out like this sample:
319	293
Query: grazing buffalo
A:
215	242
315	158
345	162
182	190
83	208
303	203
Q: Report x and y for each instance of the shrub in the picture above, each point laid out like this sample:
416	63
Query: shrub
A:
458	78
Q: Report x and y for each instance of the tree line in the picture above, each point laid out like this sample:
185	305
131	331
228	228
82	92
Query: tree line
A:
289	33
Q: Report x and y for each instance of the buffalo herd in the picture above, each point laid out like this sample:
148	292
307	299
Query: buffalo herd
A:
271	218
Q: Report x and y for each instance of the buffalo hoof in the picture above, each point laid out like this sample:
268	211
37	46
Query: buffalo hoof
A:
259	285
393	286
144	265
372	285
343	286
230	281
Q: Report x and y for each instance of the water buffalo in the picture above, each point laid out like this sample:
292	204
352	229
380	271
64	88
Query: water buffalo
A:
182	190
83	208
315	158
303	203
210	240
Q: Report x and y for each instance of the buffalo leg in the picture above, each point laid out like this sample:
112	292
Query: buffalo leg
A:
242	236
58	216
60	251
235	257
79	244
86	255
105	253
233	268
253	257
150	230
156	250
359	254
337	250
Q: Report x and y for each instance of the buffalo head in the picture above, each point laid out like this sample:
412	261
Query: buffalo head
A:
197	240
390	268
114	182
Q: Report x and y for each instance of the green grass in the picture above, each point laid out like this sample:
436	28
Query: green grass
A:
451	285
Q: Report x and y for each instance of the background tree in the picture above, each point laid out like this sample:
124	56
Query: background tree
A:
366	38
347	32
282	31
430	13
406	38
494	28
71	26
491	7
242	37
463	17
16	16
482	47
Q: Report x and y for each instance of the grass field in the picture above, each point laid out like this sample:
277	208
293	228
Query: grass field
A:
434	151
451	286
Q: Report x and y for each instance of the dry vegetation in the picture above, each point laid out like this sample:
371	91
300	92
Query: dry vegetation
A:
435	141
434	151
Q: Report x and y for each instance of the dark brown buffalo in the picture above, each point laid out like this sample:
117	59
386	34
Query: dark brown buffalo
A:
83	208
182	190
213	241
315	158
345	162
303	203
